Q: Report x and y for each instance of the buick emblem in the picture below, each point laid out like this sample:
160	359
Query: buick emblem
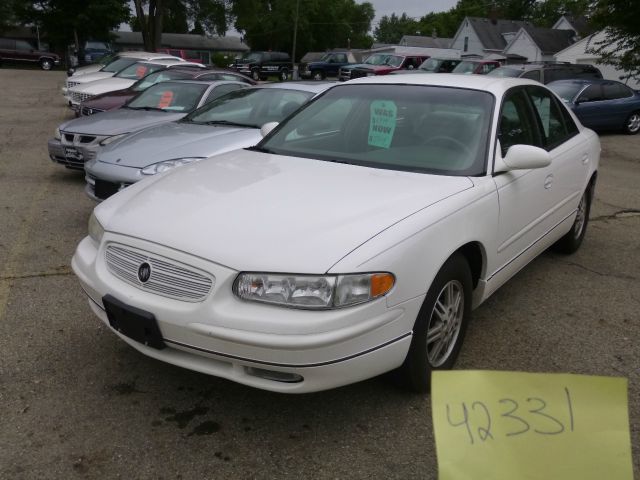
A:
144	272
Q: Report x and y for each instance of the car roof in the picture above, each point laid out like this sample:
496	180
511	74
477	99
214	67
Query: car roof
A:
148	55
584	81
495	85
310	86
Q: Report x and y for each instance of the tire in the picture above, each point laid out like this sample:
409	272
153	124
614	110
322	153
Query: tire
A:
283	75
317	75
632	124
451	290
46	64
255	74
572	240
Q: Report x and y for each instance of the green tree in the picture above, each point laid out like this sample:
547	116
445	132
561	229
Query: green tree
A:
392	28
72	21
322	24
546	13
621	47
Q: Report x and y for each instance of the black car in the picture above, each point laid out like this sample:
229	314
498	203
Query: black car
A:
261	65
21	51
547	72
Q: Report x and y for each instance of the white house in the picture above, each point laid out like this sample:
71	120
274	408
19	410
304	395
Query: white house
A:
483	36
533	44
579	53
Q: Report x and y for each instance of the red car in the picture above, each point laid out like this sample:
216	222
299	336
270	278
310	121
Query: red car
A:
113	100
391	64
481	67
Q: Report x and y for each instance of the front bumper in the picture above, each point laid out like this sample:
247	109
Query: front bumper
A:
226	337
106	179
73	150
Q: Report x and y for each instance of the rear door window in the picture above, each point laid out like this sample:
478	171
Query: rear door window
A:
550	117
613	91
532	75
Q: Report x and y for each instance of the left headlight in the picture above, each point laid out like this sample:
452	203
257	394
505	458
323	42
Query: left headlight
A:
168	165
108	140
313	291
95	229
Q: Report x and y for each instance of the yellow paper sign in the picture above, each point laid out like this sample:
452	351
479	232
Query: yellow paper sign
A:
530	426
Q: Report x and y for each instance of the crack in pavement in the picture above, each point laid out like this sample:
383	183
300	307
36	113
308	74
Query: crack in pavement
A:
66	271
601	274
620	214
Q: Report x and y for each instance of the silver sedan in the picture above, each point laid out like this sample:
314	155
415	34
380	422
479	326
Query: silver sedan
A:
228	123
78	140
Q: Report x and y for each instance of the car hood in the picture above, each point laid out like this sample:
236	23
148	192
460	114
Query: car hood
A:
91	77
87	69
123	120
260	212
101	86
177	140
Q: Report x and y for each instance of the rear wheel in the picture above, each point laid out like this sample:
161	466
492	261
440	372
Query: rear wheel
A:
255	74
572	240
632	124
46	64
284	75
440	327
317	75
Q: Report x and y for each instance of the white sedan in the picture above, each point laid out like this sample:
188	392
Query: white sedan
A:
353	240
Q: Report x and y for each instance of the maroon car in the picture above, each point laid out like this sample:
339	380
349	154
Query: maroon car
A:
112	100
391	64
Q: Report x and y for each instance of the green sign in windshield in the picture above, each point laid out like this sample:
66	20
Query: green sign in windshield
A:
383	123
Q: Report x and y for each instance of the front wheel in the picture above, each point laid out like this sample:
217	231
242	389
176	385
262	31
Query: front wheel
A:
255	74
440	327
632	124
572	240
46	64
317	75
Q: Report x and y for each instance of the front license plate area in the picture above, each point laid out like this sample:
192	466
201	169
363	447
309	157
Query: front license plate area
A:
137	324
104	190
74	154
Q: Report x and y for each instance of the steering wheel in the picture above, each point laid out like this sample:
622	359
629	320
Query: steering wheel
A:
444	140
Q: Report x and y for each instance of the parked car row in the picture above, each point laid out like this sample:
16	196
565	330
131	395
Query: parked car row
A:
301	236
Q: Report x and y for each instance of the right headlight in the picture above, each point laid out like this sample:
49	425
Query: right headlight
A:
57	134
317	292
96	231
168	165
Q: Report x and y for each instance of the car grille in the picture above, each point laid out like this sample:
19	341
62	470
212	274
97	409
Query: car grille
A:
103	189
71	83
86	111
168	278
79	97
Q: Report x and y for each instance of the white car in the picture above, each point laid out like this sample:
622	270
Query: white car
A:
353	240
123	79
120	62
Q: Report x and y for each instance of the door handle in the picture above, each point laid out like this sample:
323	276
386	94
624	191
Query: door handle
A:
585	159
548	182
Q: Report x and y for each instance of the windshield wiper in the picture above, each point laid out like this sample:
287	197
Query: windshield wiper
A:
259	149
155	109
230	124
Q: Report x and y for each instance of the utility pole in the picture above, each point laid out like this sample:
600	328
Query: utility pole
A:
294	72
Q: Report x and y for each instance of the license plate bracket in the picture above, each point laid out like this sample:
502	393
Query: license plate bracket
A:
137	324
72	153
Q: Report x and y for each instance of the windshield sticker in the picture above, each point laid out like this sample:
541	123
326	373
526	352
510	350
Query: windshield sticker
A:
165	99
383	123
141	71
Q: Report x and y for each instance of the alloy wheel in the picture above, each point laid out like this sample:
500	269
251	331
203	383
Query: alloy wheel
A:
445	322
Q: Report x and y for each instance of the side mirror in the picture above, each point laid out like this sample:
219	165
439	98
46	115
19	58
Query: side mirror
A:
523	157
267	127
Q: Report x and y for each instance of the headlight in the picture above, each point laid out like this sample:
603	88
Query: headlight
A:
57	134
313	291
108	140
168	165
95	229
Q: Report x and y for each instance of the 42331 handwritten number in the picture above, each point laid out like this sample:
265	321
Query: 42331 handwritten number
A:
516	418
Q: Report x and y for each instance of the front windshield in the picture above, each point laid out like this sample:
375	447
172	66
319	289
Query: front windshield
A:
251	107
430	65
566	91
465	67
416	128
161	76
377	59
106	58
118	64
169	96
138	70
393	61
504	72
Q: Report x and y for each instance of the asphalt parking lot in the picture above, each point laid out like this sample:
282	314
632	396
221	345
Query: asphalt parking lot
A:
77	402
